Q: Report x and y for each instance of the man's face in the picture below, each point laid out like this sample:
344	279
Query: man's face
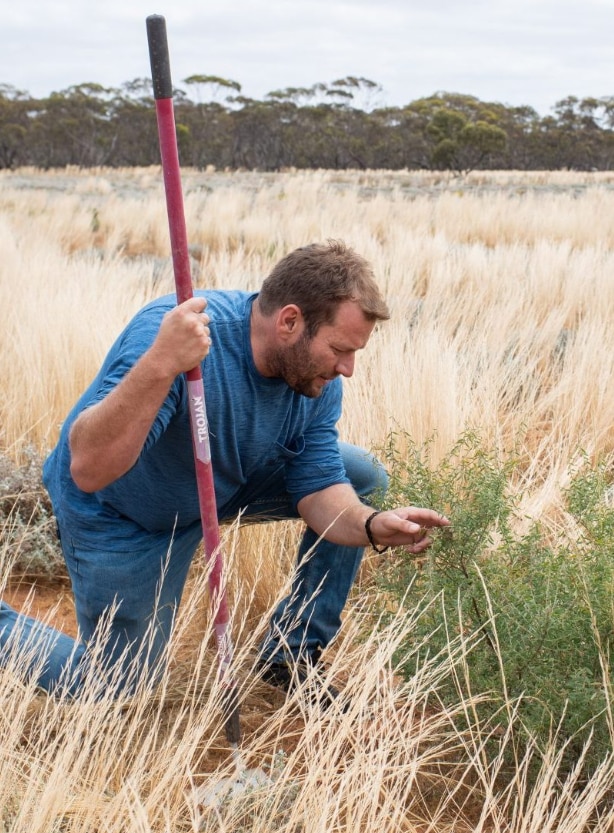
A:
306	365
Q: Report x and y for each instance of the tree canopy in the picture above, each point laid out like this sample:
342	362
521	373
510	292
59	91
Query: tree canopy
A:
341	124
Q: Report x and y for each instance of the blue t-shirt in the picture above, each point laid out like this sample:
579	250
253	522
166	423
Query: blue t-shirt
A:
255	423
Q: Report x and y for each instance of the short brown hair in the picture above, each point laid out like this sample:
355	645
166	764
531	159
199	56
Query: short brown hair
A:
317	278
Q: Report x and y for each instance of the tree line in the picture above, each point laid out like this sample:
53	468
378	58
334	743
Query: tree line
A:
332	126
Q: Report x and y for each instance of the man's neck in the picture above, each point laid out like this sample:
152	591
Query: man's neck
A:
259	338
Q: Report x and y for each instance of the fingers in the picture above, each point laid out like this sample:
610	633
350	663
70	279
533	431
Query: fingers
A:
420	537
198	303
197	306
425	517
419	546
193	326
408	527
423	539
184	338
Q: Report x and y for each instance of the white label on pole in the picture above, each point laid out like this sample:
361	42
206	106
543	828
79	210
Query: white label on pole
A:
198	420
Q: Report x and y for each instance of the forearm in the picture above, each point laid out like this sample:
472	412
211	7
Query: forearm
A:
106	439
338	515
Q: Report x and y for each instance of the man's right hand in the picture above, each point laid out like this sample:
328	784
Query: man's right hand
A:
184	339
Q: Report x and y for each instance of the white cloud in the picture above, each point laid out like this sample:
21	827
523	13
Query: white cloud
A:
523	52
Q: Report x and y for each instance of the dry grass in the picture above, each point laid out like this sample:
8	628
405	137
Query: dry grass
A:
392	762
502	293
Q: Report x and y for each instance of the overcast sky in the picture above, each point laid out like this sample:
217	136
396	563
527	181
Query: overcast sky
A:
516	52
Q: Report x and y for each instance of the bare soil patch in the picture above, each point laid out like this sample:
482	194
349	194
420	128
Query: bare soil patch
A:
51	601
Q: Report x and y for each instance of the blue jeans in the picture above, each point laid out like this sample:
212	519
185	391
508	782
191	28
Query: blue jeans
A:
133	597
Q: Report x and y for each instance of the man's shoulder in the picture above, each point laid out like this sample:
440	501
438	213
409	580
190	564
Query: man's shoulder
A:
231	303
221	301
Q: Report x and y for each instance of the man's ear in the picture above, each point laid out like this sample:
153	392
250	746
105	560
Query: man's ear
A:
290	322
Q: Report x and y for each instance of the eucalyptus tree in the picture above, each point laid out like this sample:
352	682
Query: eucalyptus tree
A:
74	127
16	108
204	116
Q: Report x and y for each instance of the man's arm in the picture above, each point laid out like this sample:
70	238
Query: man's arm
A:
106	439
338	514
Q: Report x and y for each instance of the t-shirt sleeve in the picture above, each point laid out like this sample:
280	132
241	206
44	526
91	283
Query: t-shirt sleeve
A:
317	463
127	351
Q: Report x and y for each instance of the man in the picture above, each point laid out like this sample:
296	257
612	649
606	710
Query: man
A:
122	478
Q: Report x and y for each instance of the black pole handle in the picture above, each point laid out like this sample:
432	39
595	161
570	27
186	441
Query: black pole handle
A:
159	57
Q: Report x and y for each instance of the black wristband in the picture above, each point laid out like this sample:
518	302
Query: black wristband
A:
370	534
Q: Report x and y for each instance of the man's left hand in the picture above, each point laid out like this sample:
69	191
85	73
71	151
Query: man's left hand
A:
407	527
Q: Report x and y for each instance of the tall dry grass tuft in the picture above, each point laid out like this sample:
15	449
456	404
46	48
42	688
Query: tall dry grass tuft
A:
393	761
502	298
497	323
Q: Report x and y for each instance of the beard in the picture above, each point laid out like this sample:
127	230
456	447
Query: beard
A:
297	368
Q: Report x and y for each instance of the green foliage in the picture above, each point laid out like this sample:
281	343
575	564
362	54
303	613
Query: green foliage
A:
538	616
336	125
214	80
460	143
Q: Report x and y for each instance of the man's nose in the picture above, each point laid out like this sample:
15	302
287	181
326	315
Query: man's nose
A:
345	365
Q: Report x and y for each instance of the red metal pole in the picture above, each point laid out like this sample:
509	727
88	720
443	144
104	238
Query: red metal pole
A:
165	115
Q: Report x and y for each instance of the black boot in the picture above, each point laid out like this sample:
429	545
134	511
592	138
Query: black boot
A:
296	674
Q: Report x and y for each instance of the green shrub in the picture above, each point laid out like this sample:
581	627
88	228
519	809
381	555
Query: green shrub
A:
539	616
28	539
